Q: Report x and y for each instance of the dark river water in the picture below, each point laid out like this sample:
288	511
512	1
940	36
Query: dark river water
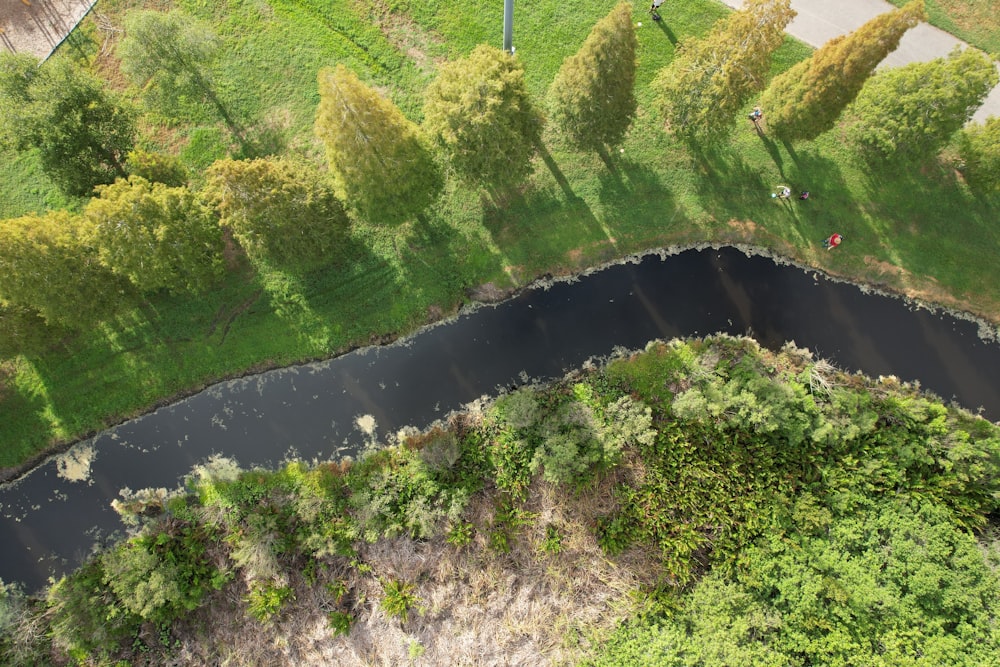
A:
49	522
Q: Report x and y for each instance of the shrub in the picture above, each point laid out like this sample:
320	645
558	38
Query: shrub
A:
265	601
400	597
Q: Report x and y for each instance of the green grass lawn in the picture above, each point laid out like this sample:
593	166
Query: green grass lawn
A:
918	231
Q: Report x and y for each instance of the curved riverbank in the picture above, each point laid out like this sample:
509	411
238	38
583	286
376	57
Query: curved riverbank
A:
331	408
489	295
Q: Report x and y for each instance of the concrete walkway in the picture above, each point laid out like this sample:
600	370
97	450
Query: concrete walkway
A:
819	21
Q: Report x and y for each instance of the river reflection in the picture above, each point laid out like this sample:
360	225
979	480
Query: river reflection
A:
51	518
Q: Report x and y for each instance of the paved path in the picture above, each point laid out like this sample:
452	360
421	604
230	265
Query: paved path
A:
819	21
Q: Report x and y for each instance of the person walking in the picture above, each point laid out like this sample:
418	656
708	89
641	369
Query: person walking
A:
782	192
653	9
755	117
833	241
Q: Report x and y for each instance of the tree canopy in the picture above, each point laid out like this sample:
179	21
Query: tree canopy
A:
593	94
169	56
911	112
712	78
82	131
805	101
381	165
45	266
979	146
279	210
156	236
479	111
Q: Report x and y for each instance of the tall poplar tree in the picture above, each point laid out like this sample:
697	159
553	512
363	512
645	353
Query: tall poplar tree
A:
279	211
479	111
154	235
912	111
380	163
593	97
46	266
805	101
711	79
979	146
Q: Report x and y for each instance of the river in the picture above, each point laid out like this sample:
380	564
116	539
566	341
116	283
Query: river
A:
51	518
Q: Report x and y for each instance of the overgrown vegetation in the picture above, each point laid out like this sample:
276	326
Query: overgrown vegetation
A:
737	506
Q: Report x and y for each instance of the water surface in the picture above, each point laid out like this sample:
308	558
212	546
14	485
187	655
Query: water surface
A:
51	518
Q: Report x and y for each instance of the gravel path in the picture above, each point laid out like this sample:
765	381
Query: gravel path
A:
38	26
819	21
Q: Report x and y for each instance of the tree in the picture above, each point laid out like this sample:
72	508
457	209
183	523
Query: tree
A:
169	55
380	163
24	331
710	79
592	96
478	110
81	131
805	101
157	167
45	266
979	146
278	210
912	112
156	236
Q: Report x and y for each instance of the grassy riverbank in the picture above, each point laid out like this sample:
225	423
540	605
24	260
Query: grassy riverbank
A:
919	231
703	502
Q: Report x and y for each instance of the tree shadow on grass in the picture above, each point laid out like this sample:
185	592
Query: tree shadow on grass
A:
537	229
936	227
635	203
24	430
733	189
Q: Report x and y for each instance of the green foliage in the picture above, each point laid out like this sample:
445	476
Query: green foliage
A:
711	79
394	492
169	57
85	616
24	331
340	622
910	113
592	96
265	601
157	168
82	132
806	100
380	163
162	575
478	110
22	629
890	585
155	236
46	266
979	146
399	598
279	210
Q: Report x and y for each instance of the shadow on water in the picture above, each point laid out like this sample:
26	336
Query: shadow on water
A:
327	409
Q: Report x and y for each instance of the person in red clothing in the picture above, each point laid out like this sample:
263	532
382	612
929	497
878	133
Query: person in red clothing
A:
833	241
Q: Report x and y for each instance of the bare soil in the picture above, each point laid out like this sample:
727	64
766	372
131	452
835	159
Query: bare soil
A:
37	27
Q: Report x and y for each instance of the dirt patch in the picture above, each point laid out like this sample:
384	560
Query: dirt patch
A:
37	27
488	293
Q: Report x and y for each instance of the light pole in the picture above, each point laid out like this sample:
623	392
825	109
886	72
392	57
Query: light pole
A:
508	26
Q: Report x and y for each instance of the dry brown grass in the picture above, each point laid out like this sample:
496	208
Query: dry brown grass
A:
477	606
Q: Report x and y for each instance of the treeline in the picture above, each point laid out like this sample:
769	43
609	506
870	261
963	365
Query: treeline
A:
757	507
154	227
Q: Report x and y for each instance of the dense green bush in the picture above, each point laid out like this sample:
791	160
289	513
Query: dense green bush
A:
790	514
